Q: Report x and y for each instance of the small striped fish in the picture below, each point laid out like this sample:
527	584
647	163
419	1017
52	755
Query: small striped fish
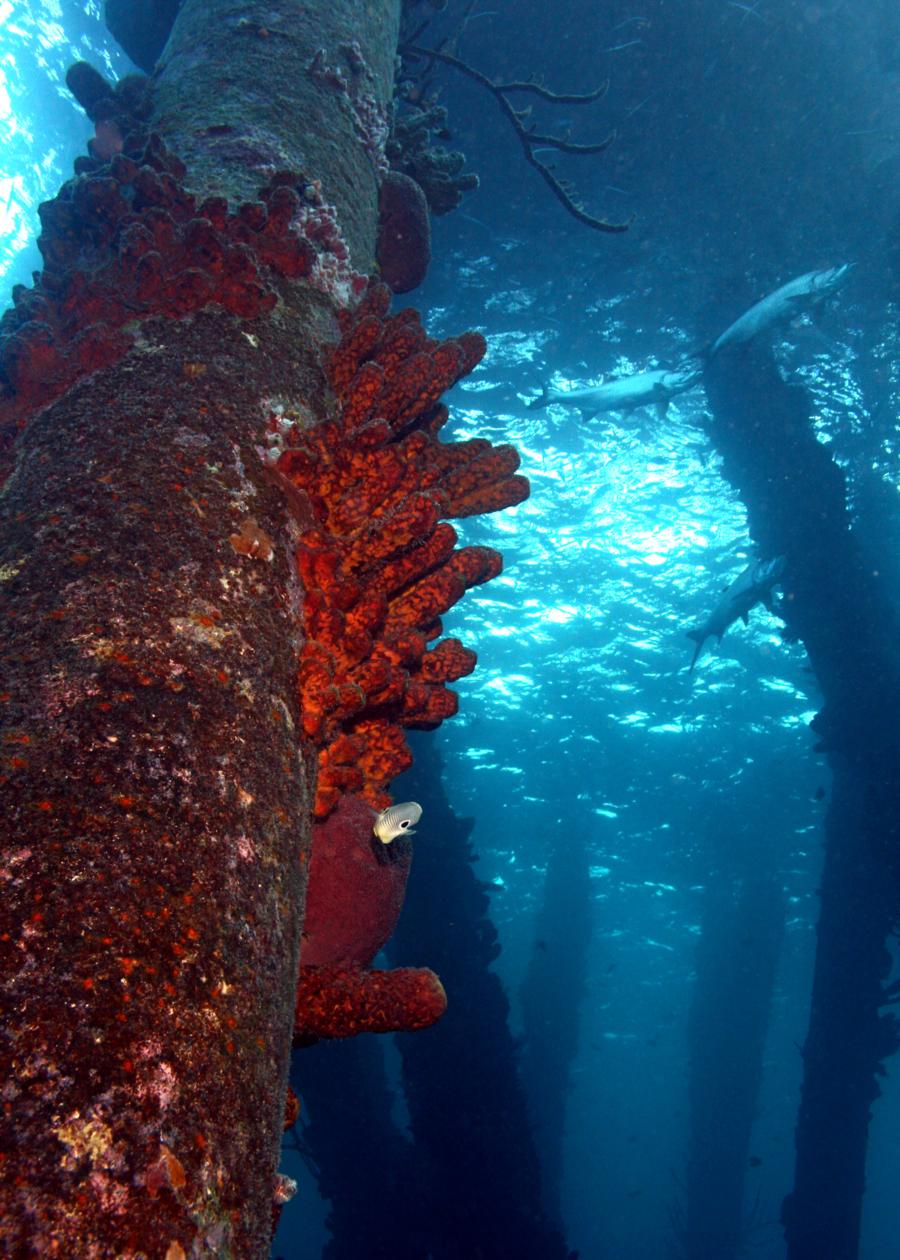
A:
396	821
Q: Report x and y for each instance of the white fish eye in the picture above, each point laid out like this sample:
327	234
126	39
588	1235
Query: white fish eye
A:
404	823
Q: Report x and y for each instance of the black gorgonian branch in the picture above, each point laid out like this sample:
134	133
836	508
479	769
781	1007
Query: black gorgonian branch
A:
530	139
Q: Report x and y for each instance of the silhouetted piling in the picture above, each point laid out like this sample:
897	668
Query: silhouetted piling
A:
475	1151
796	499
742	927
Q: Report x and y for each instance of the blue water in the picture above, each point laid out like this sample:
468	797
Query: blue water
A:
754	143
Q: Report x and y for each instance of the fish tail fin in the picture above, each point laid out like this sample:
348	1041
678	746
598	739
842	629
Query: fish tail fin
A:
698	638
542	399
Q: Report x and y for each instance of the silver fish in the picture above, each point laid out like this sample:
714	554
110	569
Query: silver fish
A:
754	586
397	820
641	390
784	304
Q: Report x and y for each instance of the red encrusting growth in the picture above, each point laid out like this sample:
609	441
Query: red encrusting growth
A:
379	567
127	241
291	1109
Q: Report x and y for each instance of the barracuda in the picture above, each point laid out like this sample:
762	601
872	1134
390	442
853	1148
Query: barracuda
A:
782	305
656	388
754	586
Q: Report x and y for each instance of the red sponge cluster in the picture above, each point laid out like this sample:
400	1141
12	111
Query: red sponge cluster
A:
379	567
127	240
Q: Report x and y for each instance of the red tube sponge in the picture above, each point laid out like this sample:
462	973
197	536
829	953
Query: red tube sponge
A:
380	567
346	1001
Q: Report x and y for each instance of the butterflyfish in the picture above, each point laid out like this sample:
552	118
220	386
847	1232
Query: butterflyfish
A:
397	820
